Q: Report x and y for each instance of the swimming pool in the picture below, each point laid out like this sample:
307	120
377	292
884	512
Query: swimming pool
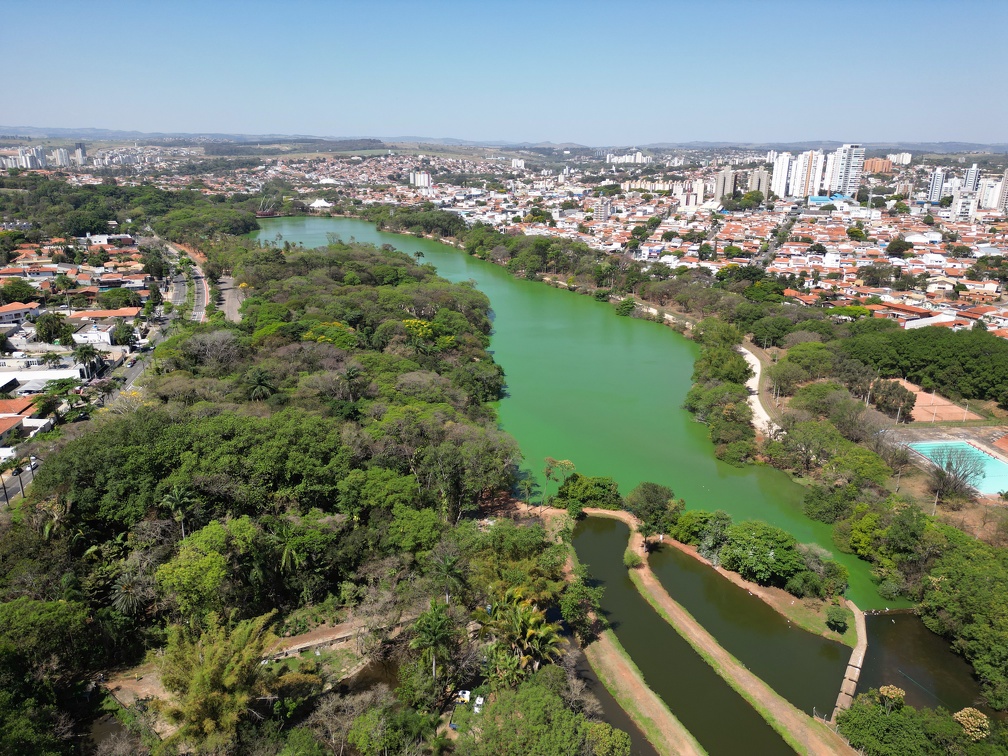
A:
995	478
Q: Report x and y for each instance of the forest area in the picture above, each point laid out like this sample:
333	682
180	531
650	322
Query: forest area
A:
323	461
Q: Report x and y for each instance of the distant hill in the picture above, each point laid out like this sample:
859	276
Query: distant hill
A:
96	134
918	147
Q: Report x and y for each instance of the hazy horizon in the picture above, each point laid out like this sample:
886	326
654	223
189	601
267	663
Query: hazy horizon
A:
585	73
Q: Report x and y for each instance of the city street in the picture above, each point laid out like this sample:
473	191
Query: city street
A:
202	295
14	484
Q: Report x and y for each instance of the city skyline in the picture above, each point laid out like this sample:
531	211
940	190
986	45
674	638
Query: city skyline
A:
731	72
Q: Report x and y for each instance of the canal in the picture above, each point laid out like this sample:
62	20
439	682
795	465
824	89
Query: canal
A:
718	717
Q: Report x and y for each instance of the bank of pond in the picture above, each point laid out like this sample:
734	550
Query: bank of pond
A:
606	393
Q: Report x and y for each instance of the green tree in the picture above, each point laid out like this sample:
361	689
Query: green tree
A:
448	571
53	328
434	634
761	553
214	677
656	507
19	290
179	501
260	385
529	720
123	334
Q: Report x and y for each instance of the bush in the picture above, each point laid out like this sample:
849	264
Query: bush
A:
803	584
836	618
626	307
632	560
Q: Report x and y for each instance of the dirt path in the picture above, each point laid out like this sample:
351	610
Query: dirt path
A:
761	418
799	729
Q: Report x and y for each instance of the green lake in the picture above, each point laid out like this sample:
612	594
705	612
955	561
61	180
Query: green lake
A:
602	391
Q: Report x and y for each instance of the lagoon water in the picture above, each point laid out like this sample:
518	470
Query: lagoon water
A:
602	391
606	392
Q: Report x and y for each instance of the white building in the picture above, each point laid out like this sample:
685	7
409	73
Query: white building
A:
759	181
900	158
972	180
517	163
806	173
964	206
724	184
779	182
936	184
849	164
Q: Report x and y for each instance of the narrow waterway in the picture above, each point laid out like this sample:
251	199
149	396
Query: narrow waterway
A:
805	669
602	391
718	717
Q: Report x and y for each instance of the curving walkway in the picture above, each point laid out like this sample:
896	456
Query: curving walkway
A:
761	419
800	730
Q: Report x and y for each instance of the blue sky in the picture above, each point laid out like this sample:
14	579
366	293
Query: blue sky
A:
587	72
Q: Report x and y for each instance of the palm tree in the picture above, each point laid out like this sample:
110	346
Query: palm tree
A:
521	626
433	632
260	387
288	546
541	641
131	592
85	354
178	501
446	571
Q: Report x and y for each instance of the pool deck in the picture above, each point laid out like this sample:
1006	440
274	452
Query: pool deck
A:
988	439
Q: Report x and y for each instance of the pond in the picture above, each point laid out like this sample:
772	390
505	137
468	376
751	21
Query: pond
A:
718	717
804	668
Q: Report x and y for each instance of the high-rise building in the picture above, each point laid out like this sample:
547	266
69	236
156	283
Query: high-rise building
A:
847	170
724	185
972	181
759	181
807	173
935	185
517	163
900	158
781	174
602	209
420	178
61	158
80	154
964	206
1003	198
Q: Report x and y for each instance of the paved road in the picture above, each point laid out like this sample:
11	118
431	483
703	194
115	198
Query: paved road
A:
178	290
202	295
12	484
232	301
